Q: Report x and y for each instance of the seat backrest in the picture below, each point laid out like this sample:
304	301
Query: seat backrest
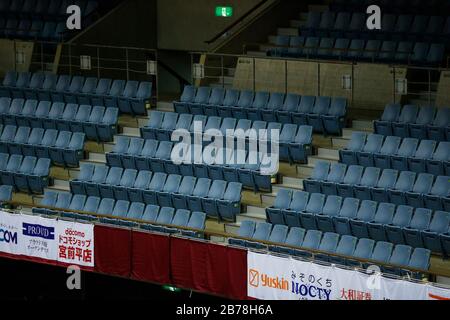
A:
315	203
390	145
440	222
117	88
197	221
106	206
100	173
49	199
130	89
27	165
56	110
128	178
391	112
114	176
169	121
371	176
202	187
283	199
262	231
426	115
247	229
347	245
136	210
278	234
420	259
405	181
89	85
329	242
121	208
367	211
97	114
298	203
382	251
291	102
353	175
217	189
408	114
122	144
164	150
181	218
385	213
231	97
441	186
77	203
150	213
172	183
144	91
135	146
143	180
77	84
184	121
322	105
217	96
420	52
424	183
92	204
187	185
8	134
442	118
158	181
312	239
421	219
23	80
306	104
442	152
276	101
63	201
188	94
364	248
150	148
321	170
16	106
408	147
261	100
49	138
349	208
357	141
165	215
425	149
233	192
10	79
202	95
84	111
103	86
63	139
332	206
403	216
63	83
337	172
245	99
388	179
374	143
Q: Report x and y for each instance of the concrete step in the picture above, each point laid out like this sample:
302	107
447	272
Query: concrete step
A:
339	143
254	53
363	125
232	228
294	182
328	153
287	31
221	85
97	157
59	185
312	160
132	132
254	215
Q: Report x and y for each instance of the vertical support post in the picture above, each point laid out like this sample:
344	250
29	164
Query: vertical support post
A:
222	71
254	75
98	62
285	77
127	64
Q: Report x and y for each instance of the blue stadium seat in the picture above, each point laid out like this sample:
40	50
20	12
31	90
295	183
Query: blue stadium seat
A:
156	185
335	176
334	120
311	241
70	95
437	129
346	247
382	159
215	100
418	129
425	151
404	184
328	244
352	178
438	198
20	175
369	180
262	233
229	205
150	213
321	107
179	199
419	223
111	99
246	230
230	100
391	114
91	187
319	174
49	200
290	105
399	160
127	181
363	250
172	184
300	148
276	101
141	98
349	210
39	178
387	181
407	116
259	103
294	239
355	145
313	208
201	190
196	221
330	210
366	214
439	162
400	257
305	107
180	219
201	98
287	210
439	225
373	145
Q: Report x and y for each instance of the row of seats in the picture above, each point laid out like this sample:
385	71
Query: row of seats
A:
362	219
98	123
294	141
410	121
392	6
398	27
27	174
32	29
45	8
375	150
387	51
217	198
63	148
421	191
6	194
140	154
129	96
342	250
150	215
324	114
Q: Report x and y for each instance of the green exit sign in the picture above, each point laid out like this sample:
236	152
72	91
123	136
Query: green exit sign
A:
224	11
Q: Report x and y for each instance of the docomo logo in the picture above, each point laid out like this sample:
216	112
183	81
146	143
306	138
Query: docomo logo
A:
74	233
255	280
8	236
235	151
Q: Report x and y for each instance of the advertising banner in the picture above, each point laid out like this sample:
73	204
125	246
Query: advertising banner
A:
75	243
10	228
37	237
278	278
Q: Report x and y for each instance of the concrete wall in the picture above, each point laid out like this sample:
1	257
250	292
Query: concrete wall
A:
443	94
7	54
196	18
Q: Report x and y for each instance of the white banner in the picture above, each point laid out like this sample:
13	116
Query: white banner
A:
75	243
37	237
277	278
50	239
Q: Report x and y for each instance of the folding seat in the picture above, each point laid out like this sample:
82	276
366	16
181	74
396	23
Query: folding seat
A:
126	182
294	239
438	197
438	163
291	104
435	26
162	161
387	51
28	111
262	233
88	89
348	211
21	138
63	202
274	213
439	225
230	100
382	252
5	103
13	167
340	48
245	101
42	150
68	149
156	186
196	221
49	200
230	204
129	92
212	123
328	244
7	137
363	251
134	150
325	48
371	50
180	219
313	208
139	100
356	49
113	179
437	129
55	113
20	175
107	127
150	213
420	259
136	211
89	126
36	83
86	173
196	106
49	85
165	217
188	95
286	137
121	209
330	210
246	230
334	120
418	129
77	203
82	115
186	188
171	186
369	180
399	161
268	112
421	187
91	186
354	146
62	86
313	20
3	163
143	160
419	26
327	22
310	47
201	190
387	181
111	100
402	219
15	109
295	46
420	53
420	222
373	145
5	194
278	235
254	111
42	110
424	152
366	214
215	100
281	42
319	174
435	54
23	81
300	148
70	95
106	207
391	114
356	24
114	157
9	81
138	185
321	107
407	116
311	241
184	121
403	24
168	125
35	139
346	247
208	202
391	145
341	24
400	257
335	176
404	185
102	90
